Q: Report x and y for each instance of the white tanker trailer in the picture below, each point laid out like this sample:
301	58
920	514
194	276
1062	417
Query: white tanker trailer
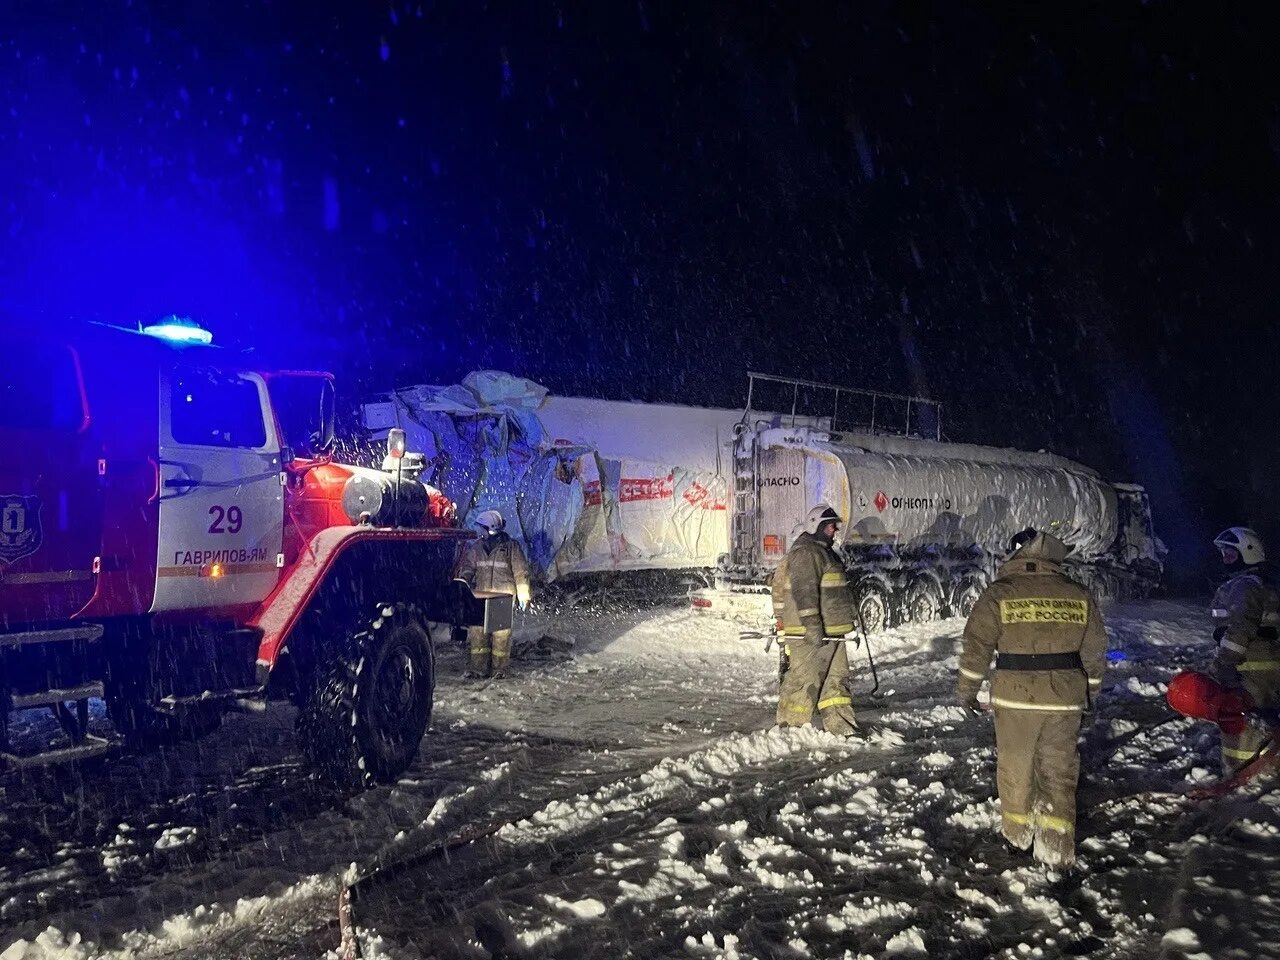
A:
927	521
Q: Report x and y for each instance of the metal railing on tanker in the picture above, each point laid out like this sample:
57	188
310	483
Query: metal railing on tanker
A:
823	406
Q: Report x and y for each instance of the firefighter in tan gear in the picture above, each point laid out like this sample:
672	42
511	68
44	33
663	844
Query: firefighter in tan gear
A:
493	564
1246	612
818	612
1050	647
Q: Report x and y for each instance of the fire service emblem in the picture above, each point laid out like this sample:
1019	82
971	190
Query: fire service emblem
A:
20	533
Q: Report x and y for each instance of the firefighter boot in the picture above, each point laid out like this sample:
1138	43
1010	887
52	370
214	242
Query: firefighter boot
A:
501	653
481	646
1017	829
1243	738
1055	844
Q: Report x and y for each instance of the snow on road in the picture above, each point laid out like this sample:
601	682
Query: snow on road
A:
636	801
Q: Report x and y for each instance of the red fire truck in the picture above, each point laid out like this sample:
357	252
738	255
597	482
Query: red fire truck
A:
177	541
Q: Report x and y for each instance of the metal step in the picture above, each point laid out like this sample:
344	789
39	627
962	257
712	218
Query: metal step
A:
46	698
89	632
90	747
245	699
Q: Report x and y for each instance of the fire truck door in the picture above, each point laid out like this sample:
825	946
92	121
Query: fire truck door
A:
221	499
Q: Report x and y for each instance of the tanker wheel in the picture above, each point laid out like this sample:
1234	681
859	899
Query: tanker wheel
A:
923	601
967	590
874	605
370	703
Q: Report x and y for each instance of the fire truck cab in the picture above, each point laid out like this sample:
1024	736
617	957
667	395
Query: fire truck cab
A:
176	540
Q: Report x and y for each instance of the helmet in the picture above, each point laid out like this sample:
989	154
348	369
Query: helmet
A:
491	520
818	516
1021	539
1240	545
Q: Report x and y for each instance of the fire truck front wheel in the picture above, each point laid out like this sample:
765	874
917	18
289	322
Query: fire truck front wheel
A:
371	701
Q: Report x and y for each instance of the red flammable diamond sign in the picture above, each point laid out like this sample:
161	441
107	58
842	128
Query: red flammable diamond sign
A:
881	501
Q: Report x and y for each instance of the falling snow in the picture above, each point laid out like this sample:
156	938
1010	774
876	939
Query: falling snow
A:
640	800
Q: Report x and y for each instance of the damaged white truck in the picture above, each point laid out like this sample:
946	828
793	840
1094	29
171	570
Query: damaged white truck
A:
595	487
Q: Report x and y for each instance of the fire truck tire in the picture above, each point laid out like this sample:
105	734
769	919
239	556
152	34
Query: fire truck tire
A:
370	704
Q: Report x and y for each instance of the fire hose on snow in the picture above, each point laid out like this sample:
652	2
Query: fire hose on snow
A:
871	661
861	638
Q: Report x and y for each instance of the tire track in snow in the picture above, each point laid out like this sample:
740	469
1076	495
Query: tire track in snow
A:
591	834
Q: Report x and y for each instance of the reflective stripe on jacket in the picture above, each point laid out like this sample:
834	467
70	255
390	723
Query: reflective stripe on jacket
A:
819	600
493	567
1033	608
1249	609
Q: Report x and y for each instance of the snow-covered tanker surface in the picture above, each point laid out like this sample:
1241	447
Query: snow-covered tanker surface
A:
911	493
645	806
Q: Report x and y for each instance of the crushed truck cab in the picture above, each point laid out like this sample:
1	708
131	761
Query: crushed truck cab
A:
177	540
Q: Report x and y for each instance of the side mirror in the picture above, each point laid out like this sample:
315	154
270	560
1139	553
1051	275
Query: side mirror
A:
287	456
328	428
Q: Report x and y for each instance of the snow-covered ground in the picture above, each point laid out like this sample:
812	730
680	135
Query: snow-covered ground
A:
632	798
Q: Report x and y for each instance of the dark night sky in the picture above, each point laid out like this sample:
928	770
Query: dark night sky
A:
1063	224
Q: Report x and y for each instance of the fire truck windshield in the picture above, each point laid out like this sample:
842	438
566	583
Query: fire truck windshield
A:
303	405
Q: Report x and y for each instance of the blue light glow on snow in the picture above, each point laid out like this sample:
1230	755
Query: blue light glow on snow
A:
1117	656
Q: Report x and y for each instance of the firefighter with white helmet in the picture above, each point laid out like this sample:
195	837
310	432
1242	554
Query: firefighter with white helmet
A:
818	612
1246	614
493	564
1050	647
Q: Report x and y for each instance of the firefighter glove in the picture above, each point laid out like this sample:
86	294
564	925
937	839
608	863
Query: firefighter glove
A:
1227	675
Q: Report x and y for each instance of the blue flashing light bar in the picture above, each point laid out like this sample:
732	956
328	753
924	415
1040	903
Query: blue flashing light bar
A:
182	330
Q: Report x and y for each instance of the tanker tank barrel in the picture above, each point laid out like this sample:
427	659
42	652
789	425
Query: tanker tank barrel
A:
927	521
